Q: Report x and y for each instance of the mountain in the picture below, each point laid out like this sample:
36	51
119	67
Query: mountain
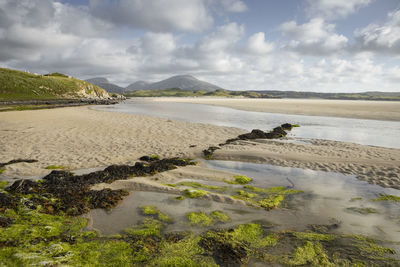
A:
105	84
20	85
184	82
139	85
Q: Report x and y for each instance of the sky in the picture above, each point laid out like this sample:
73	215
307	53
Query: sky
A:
300	45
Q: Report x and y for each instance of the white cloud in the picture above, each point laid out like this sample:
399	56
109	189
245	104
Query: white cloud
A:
155	15
333	9
235	6
381	39
315	37
256	44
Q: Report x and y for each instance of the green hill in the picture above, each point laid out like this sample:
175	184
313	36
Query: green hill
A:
19	85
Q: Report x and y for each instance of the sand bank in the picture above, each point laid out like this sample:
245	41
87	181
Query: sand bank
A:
81	138
376	165
378	110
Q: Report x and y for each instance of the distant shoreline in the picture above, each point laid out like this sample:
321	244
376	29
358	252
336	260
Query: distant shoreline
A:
54	103
366	109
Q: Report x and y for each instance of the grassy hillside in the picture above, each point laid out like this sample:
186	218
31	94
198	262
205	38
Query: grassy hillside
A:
19	85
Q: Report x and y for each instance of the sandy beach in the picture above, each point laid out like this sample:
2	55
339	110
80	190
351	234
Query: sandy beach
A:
377	110
82	138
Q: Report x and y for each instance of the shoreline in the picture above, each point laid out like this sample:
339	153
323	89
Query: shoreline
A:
80	138
356	109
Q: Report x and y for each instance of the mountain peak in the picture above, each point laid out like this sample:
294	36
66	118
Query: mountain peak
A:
184	82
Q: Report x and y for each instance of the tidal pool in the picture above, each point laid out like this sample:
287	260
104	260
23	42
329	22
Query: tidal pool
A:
328	199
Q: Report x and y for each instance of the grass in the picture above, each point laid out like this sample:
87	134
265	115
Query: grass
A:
19	85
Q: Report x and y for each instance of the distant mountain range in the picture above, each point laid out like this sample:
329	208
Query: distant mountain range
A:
105	84
184	82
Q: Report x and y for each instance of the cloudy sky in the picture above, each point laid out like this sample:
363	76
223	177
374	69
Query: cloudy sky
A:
303	45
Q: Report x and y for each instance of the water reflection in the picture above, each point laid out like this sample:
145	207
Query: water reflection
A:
367	132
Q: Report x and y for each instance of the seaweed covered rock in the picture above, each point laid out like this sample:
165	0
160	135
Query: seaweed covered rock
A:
8	202
254	134
62	191
5	222
224	251
17	161
277	132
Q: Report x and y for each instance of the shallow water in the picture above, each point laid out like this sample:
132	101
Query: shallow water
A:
324	201
366	132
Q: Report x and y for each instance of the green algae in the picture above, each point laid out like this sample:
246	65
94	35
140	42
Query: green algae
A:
149	227
55	167
246	194
155	157
194	193
273	190
30	225
35	238
185	252
313	236
312	254
271	202
2	170
2	185
171	185
199	185
180	198
252	234
363	211
388	198
220	216
355	199
199	218
203	219
152	210
239	179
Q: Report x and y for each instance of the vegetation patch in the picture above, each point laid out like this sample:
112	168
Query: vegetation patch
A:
199	218
203	219
185	252
271	202
312	253
194	193
149	227
314	236
199	185
180	198
388	198
152	210
239	179
2	170
219	216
